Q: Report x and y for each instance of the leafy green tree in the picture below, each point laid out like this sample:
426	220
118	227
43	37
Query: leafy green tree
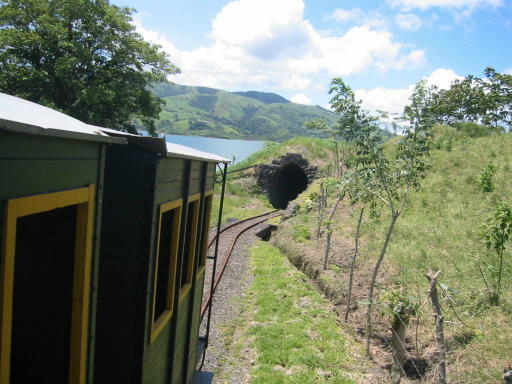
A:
495	233
82	57
487	101
352	184
322	126
498	99
388	180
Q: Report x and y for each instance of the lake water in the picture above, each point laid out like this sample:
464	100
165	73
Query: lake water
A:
240	149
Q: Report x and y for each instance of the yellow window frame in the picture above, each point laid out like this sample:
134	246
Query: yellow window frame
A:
205	226
163	319
83	198
191	257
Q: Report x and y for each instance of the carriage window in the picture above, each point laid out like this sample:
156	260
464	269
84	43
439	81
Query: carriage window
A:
190	242
205	226
48	237
165	265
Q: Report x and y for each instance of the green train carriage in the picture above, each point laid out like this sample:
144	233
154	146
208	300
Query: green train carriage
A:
103	251
51	178
157	203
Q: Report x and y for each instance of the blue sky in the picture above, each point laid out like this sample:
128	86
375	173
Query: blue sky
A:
295	47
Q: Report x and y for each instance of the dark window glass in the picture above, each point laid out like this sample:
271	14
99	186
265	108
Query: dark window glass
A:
164	264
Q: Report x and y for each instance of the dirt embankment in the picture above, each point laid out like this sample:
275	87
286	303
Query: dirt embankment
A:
307	254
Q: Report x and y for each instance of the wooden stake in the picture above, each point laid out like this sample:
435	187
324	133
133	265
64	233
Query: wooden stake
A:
441	344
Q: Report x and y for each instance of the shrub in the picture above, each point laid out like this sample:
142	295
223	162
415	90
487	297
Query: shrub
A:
485	180
301	233
477	130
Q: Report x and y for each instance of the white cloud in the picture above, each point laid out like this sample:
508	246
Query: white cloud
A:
413	59
385	99
394	100
508	71
359	48
408	21
295	82
300	98
443	78
343	15
269	44
357	16
457	4
246	22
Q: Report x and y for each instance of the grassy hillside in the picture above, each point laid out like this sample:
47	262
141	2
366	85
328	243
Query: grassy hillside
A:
254	115
439	229
243	198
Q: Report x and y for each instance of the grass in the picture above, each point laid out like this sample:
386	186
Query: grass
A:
295	330
440	230
310	148
243	199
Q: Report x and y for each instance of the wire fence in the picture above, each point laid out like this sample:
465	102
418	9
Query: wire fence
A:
422	361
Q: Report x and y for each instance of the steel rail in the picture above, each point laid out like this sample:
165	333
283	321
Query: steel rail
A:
215	282
237	223
243	169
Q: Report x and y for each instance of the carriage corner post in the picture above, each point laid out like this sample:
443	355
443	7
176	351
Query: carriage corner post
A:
216	252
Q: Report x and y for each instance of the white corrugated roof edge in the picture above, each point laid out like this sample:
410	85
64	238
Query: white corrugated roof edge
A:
163	148
23	116
191	153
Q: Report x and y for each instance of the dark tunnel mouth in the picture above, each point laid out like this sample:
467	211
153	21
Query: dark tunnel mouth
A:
287	184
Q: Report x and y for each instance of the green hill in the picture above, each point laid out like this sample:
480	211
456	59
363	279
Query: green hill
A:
203	111
439	229
267	98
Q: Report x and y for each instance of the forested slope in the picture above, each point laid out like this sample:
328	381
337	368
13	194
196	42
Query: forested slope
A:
254	115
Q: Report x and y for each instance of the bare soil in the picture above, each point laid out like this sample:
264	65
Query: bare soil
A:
307	256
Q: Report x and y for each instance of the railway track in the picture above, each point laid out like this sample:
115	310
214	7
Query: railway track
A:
228	239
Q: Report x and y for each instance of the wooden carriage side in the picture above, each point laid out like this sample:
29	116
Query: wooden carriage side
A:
102	251
149	290
51	177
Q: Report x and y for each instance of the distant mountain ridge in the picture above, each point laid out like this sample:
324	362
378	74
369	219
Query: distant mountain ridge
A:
254	115
267	98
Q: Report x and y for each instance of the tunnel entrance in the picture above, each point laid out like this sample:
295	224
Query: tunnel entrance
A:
284	179
288	183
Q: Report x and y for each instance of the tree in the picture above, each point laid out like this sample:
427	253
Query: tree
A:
320	125
464	101
486	101
499	98
388	181
82	57
495	233
358	194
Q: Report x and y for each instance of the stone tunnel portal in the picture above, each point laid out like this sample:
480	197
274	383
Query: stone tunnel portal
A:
284	179
288	183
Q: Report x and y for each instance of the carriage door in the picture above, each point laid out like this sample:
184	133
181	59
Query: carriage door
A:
44	297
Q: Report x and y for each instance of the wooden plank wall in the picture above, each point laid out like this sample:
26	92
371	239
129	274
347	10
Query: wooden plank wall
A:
169	186
125	242
185	312
196	313
32	165
210	176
